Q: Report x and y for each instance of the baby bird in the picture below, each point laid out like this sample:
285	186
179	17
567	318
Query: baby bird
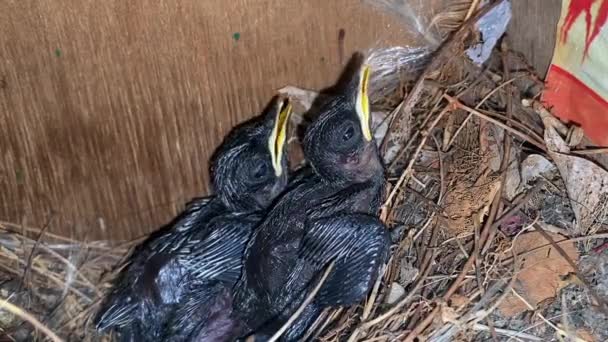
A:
200	252
329	215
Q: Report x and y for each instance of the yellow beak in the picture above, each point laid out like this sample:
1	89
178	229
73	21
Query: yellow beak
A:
362	105
279	134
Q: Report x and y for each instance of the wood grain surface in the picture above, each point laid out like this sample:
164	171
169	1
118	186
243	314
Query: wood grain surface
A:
109	110
532	31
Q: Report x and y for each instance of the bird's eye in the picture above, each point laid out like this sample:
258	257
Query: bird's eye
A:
260	170
348	133
345	135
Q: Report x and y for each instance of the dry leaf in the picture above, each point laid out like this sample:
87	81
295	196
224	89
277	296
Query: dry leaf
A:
586	182
491	146
585	335
533	167
541	271
575	136
448	314
457	301
302	99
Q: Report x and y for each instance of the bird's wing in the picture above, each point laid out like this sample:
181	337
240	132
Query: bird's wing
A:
116	314
218	254
358	243
122	305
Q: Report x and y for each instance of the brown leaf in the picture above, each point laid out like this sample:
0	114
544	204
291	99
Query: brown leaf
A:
448	314
457	301
302	99
585	335
541	271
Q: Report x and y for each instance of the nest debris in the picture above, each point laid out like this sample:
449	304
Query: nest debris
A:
53	280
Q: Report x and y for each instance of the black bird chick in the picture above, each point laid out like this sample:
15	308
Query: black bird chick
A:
200	252
327	216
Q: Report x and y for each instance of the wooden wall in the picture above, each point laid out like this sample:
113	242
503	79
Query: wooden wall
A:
532	31
109	110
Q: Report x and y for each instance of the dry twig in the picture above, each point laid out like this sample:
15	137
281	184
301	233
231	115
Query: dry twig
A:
17	311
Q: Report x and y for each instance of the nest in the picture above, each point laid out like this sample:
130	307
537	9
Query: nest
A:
52	282
469	226
474	240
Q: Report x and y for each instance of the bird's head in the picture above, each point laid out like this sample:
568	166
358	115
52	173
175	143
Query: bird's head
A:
250	167
339	144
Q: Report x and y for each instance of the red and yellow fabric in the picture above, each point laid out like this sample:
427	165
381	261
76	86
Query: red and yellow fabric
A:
577	81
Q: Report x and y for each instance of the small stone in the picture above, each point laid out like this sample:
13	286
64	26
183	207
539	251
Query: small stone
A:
395	293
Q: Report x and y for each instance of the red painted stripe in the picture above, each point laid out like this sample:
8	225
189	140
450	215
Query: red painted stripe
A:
580	84
572	100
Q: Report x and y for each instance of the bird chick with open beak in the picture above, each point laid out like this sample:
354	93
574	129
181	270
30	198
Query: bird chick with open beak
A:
329	215
200	253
